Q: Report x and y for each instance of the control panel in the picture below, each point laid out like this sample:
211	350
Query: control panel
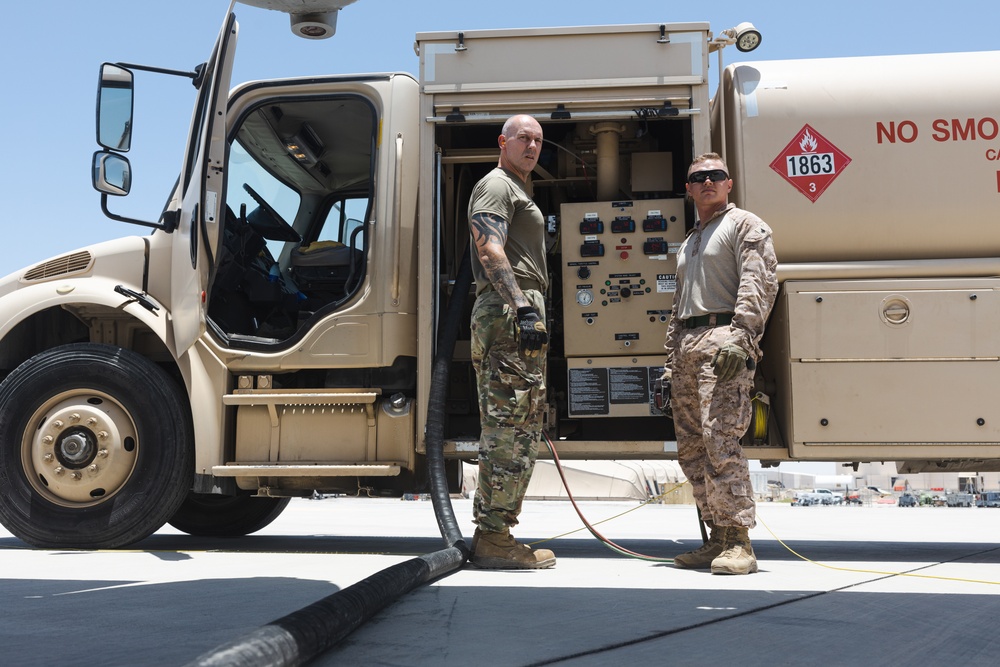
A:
619	275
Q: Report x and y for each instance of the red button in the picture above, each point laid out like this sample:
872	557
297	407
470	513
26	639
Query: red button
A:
624	255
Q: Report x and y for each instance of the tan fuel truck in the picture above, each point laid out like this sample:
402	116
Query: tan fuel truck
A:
274	334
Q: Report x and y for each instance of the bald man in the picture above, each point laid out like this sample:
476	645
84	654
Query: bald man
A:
509	343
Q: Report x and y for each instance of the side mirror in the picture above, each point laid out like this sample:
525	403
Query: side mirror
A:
114	108
112	173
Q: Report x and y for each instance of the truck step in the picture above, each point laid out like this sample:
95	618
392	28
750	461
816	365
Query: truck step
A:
265	469
301	397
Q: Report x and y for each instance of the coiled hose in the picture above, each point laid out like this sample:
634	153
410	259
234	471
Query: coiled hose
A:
302	635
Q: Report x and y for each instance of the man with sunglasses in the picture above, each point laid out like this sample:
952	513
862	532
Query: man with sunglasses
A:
726	286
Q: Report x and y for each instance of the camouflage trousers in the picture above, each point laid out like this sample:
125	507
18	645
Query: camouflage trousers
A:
511	407
709	420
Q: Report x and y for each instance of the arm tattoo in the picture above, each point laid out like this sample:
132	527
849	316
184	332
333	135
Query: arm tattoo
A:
489	234
488	229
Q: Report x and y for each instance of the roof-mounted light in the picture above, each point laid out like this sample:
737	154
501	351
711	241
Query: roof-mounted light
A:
310	19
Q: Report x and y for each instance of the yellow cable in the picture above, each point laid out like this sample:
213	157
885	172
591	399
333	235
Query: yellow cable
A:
761	409
863	571
779	540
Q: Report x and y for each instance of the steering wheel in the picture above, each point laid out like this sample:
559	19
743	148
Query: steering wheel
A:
267	222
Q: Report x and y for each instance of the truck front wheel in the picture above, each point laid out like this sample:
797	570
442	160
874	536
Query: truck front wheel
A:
95	448
226	516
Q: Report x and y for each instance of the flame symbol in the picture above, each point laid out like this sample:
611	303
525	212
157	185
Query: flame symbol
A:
808	143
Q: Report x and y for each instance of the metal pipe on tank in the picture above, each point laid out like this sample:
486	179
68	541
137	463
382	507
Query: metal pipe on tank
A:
608	136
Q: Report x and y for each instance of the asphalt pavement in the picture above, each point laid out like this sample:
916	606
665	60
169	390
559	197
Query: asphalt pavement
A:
879	584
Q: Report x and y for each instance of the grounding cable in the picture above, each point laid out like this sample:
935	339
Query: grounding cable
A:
593	531
632	554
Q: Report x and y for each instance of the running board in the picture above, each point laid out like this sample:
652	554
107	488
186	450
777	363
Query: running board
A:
305	470
303	397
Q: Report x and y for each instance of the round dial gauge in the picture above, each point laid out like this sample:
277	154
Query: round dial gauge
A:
585	297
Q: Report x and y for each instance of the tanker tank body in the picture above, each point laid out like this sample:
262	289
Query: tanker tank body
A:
880	178
870	158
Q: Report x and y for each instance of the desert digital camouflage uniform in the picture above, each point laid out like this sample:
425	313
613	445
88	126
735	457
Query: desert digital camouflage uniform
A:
727	265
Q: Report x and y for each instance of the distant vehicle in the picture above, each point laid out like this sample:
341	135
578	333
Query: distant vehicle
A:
958	500
989	499
821	497
907	500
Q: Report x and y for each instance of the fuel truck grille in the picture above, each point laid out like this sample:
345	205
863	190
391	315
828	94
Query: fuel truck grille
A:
76	262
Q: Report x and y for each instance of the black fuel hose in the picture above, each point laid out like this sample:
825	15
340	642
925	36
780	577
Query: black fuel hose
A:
302	635
443	510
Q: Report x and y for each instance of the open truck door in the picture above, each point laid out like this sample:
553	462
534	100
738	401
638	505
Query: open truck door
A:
200	220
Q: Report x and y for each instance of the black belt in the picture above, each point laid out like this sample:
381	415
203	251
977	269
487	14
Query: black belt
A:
710	320
523	283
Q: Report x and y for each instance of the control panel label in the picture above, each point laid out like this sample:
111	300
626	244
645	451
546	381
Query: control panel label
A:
666	282
629	385
593	392
588	391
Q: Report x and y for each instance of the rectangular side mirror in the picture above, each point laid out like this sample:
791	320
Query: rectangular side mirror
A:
114	108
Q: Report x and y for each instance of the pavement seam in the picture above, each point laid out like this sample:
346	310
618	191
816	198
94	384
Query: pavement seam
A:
748	612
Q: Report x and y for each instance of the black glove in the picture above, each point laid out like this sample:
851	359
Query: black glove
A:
533	337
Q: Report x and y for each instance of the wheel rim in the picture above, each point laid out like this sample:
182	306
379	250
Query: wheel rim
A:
79	448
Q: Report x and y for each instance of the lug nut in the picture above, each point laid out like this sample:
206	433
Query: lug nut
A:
103	453
47	440
48	458
75	417
75	475
59	470
92	468
92	421
58	423
102	435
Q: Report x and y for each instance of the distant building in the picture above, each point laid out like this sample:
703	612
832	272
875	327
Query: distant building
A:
883	476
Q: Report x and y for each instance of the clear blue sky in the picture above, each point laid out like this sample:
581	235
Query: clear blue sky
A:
53	49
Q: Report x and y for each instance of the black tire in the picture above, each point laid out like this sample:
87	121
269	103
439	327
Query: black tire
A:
209	515
96	448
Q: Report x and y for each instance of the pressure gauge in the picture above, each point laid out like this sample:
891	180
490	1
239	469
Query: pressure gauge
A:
585	297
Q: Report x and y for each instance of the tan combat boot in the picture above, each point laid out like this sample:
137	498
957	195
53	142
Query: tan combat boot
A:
706	553
500	551
737	558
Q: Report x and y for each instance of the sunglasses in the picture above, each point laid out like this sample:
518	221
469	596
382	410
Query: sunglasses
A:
715	175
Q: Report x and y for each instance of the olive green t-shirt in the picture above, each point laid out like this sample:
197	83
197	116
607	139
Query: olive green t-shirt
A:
502	194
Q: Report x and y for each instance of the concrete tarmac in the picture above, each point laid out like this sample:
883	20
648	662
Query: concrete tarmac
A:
879	585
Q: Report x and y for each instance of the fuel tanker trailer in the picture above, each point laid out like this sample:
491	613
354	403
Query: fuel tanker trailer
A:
881	180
